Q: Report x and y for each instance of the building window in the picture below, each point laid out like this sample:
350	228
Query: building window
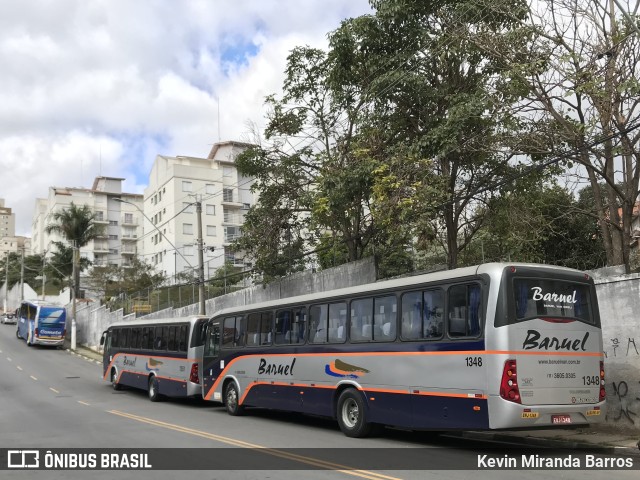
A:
211	230
187	228
209	188
188	250
227	195
246	206
113	223
113	237
128	218
187	207
187	186
211	209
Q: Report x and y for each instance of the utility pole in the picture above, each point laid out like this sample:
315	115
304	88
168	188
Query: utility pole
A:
200	258
22	274
44	279
6	282
73	296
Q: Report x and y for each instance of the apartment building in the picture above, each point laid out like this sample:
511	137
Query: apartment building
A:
8	240
7	221
176	185
122	221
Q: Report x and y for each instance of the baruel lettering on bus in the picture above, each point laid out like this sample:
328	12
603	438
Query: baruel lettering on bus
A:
553	342
555	297
130	363
274	368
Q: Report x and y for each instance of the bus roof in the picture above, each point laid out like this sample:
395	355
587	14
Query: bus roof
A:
156	321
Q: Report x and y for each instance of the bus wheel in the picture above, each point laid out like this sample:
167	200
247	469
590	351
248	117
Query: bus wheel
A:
351	415
114	380
18	334
154	394
232	400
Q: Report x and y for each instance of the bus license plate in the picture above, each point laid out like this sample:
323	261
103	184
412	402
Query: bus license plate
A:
558	419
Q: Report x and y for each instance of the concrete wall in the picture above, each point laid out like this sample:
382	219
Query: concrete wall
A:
91	321
619	300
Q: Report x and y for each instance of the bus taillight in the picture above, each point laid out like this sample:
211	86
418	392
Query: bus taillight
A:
509	385
193	377
603	392
36	331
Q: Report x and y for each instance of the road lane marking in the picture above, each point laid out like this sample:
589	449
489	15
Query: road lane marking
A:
53	390
19	367
269	451
33	378
84	403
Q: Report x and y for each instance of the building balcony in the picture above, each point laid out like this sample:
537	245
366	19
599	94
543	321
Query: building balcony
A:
101	247
232	218
129	237
230	237
125	220
101	218
128	250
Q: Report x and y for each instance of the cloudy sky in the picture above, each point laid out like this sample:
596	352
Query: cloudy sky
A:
100	87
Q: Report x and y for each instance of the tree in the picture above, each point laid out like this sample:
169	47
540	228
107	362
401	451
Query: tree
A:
112	280
581	78
543	224
310	177
439	107
77	226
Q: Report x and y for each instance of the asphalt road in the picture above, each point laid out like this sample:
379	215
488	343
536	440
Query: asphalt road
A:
52	399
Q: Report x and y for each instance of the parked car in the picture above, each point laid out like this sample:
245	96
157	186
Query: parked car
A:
9	318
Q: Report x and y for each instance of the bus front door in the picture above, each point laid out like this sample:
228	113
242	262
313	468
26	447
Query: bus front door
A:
210	364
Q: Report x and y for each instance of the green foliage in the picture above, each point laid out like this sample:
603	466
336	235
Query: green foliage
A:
114	280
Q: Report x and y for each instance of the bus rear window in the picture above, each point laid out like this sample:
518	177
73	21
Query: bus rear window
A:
552	299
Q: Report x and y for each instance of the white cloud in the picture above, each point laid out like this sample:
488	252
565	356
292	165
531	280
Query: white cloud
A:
102	87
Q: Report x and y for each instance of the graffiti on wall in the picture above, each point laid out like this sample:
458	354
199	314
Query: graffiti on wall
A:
623	396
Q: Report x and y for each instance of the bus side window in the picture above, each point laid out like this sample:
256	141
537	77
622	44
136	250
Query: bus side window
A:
182	338
283	327
318	327
337	322
172	345
150	338
464	307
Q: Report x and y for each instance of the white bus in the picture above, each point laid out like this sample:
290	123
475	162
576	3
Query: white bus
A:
160	356
41	323
493	346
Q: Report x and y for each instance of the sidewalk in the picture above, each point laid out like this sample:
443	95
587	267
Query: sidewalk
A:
604	437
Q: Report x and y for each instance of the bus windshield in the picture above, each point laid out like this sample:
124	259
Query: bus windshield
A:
52	314
551	298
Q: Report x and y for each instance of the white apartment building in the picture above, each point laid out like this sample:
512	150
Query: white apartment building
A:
171	225
122	221
7	221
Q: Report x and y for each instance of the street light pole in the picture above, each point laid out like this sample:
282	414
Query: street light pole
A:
73	295
200	260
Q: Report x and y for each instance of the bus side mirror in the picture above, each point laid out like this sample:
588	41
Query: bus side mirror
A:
102	340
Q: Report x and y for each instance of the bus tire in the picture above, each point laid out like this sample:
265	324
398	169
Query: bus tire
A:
154	394
232	400
114	380
18	334
351	414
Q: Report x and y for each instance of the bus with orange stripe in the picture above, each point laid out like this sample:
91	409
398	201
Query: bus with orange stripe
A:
493	346
160	356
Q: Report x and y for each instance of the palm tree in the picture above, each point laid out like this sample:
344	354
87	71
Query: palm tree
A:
77	226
